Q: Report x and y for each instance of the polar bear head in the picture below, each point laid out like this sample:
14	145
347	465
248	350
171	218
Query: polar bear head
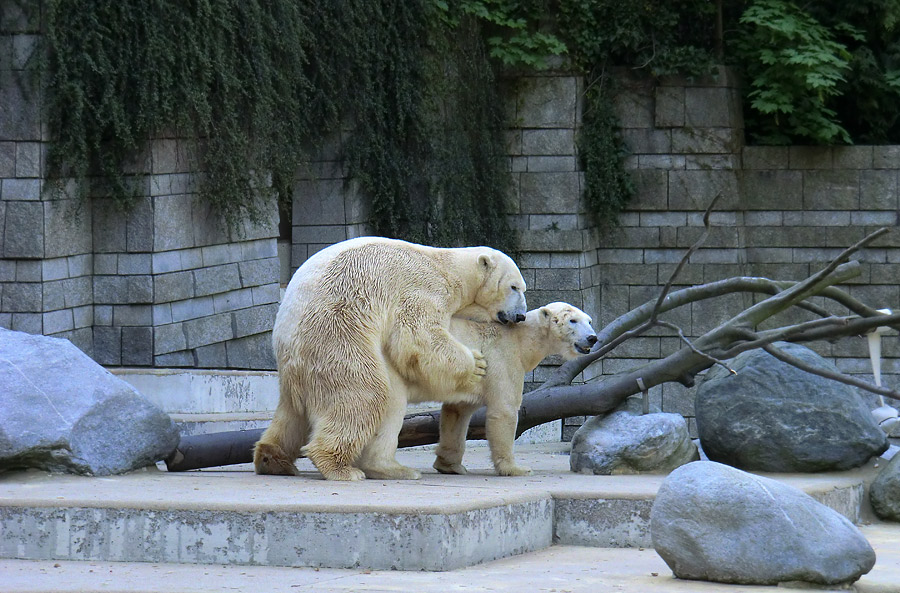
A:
502	291
572	328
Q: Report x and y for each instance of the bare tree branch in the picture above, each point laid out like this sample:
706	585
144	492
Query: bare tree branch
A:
840	377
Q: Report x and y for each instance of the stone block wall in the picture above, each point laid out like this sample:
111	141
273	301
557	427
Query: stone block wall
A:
161	284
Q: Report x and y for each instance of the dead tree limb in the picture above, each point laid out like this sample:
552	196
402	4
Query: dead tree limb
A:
557	398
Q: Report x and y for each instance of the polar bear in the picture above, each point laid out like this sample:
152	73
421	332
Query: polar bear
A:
359	321
510	353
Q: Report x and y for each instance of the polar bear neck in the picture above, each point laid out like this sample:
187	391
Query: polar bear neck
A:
533	340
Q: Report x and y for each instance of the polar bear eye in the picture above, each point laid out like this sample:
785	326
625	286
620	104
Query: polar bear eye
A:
514	288
572	321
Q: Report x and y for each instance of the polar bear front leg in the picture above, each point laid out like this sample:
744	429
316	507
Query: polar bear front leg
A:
429	355
500	426
454	427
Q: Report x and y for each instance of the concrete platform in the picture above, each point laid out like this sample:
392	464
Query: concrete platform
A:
439	523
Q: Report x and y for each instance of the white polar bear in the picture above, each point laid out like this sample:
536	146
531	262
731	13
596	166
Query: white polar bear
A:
361	320
510	353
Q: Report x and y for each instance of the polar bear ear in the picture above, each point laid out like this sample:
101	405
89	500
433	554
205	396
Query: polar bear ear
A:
485	261
545	312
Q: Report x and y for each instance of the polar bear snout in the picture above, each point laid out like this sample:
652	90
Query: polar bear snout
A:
584	346
506	318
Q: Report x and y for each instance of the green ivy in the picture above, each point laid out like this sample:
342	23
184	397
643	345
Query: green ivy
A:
262	85
795	66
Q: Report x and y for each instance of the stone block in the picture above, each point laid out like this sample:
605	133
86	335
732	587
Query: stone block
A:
765	157
326	235
175	359
706	140
78	291
810	157
108	345
552	279
878	190
208	330
217	279
831	190
565	260
7	159
110	289
212	356
772	190
140	289
58	321
28	160
318	202
23	233
711	108
550	193
651	190
30	323
162	314
708	162
553	222
550	241
103	315
886	157
255	320
169	338
109	228
852	157
549	164
67	228
139	226
547	102
20	115
27	270
669	111
261	271
132	315
106	264
80	265
549	142
83	316
192	309
620	256
164	156
172	223
232	300
22	297
176	286
54	295
166	261
259	249
695	190
134	263
252	352
647	141
225	253
137	346
268	293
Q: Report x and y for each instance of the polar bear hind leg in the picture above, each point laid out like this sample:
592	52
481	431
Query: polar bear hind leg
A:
378	460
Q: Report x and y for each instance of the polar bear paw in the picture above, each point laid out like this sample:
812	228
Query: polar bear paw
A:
447	467
478	373
511	469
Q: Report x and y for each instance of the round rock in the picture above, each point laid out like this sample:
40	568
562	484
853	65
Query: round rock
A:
884	493
627	442
716	523
774	417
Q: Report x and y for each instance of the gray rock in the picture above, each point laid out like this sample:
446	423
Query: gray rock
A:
713	522
626	442
885	491
62	412
774	417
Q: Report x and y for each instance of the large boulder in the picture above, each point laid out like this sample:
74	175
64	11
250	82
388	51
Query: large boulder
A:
717	523
63	412
627	442
884	493
771	416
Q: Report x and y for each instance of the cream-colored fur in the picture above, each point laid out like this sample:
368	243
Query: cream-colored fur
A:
360	321
510	352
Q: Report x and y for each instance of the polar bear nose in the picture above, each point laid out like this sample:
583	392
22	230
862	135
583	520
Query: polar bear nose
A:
520	318
592	339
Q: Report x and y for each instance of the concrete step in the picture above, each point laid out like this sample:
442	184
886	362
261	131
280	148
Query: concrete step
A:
569	569
438	523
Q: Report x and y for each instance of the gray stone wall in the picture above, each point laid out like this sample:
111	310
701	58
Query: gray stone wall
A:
161	284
